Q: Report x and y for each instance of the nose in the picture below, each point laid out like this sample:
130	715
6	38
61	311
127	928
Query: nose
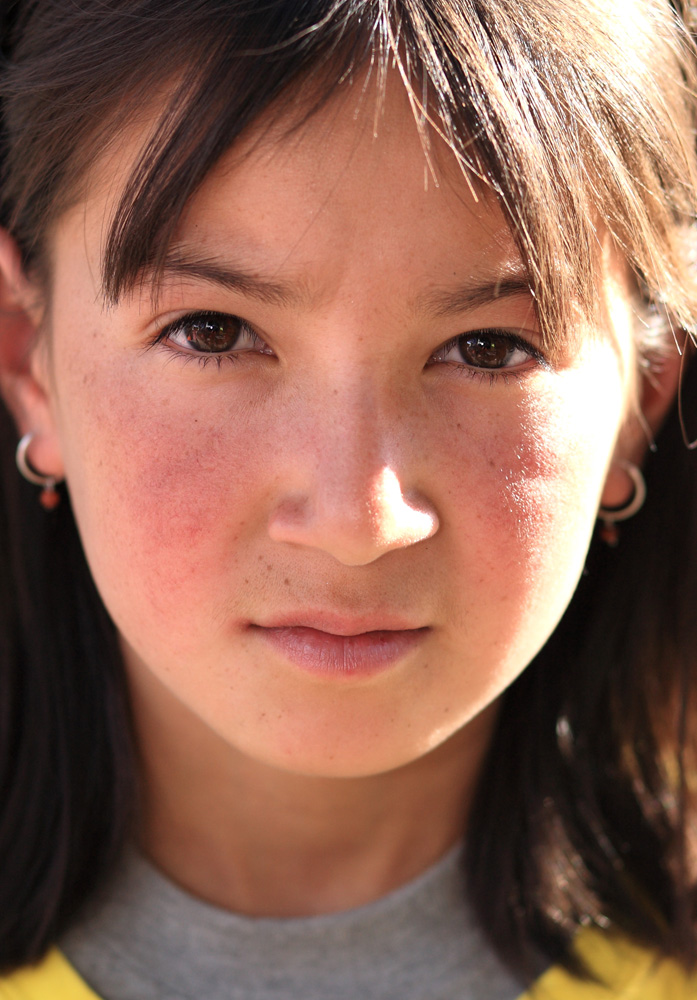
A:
353	513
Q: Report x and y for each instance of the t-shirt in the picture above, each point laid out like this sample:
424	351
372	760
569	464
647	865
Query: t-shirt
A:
146	939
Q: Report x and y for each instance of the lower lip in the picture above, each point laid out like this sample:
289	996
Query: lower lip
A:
327	654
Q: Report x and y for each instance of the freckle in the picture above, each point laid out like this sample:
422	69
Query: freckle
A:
287	582
268	567
246	579
260	558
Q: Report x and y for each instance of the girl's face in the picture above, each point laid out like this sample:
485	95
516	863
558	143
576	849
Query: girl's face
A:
333	493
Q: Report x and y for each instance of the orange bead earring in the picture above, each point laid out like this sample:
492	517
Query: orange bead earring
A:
610	515
49	497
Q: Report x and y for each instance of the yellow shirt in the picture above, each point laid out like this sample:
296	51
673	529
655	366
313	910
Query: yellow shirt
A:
626	972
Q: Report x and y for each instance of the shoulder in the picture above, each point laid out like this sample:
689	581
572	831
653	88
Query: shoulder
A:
51	979
621	970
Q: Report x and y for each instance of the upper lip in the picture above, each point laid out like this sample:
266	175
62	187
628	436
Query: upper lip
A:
337	624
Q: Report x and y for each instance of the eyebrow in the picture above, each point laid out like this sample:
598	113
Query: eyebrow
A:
180	262
444	302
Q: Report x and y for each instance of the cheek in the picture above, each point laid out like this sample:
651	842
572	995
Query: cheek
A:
523	487
172	480
166	491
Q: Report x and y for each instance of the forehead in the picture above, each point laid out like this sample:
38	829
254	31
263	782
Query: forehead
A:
351	193
355	200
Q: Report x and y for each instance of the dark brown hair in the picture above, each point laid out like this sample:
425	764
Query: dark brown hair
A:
579	118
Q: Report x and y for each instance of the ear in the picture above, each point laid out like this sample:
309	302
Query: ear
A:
24	359
657	391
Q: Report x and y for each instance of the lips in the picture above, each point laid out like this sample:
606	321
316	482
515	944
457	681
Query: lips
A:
332	646
336	624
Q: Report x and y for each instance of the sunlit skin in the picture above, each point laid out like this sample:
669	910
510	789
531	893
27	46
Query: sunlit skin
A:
338	462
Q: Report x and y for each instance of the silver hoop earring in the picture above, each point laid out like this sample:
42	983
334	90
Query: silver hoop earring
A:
611	515
49	497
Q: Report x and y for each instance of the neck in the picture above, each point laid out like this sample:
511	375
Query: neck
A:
257	840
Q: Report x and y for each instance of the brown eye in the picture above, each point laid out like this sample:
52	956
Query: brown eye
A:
212	334
488	350
483	350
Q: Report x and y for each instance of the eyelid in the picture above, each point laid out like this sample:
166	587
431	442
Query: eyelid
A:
167	329
512	337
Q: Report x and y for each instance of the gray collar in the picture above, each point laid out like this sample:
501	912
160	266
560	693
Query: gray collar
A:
144	938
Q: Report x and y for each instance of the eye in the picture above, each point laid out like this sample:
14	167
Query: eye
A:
488	350
212	333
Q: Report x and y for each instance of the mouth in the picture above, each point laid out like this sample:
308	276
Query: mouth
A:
340	647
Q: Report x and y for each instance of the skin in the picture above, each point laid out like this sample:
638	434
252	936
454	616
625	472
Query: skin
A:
347	465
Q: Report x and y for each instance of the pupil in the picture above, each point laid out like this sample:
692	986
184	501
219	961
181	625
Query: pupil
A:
485	352
211	335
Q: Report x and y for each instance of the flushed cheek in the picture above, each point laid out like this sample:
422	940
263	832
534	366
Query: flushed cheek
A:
524	492
167	498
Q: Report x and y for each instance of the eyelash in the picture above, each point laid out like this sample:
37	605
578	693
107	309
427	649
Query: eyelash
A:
203	358
511	340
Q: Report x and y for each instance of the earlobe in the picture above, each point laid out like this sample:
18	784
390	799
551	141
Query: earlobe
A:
23	381
18	332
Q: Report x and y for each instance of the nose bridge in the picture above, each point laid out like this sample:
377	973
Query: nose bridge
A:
355	441
355	438
355	495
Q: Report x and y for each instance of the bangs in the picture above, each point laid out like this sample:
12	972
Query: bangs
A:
558	111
